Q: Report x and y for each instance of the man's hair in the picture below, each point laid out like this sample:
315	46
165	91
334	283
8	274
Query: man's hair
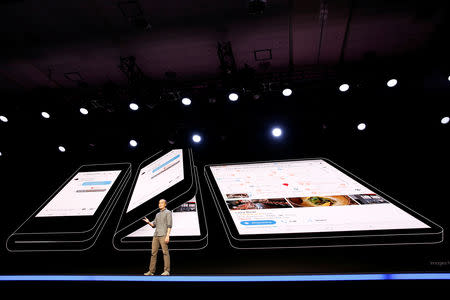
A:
165	201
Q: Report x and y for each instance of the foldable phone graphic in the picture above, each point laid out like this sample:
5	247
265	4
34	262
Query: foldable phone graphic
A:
72	218
169	175
309	203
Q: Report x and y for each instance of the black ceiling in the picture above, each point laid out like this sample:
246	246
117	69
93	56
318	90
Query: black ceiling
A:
43	41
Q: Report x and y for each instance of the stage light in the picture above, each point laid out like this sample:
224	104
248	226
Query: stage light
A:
392	83
62	149
45	115
448	78
277	132
196	138
287	92
133	143
445	120
3	119
84	111
134	106
344	87
186	101
233	96
1	154
361	126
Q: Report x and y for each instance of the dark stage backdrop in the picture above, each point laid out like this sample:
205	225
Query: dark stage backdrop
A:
403	152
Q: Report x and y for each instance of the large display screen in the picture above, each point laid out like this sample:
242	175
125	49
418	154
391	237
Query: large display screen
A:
303	196
82	195
157	177
184	222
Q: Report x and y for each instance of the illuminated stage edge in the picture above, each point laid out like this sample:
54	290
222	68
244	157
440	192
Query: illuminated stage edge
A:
220	278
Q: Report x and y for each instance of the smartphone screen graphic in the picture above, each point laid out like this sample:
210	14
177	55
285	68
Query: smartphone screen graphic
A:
72	218
82	195
156	177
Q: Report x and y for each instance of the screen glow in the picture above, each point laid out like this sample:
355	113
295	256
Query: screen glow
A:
184	222
303	196
156	177
82	195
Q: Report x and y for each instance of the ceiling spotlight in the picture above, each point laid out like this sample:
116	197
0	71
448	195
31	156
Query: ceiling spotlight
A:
276	132
287	92
186	101
392	83
45	115
84	111
1	154
445	120
61	149
3	119
448	78
361	126
133	143
134	106
344	87
196	138
233	96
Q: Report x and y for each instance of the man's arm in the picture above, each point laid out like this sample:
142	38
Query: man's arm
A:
169	227
152	224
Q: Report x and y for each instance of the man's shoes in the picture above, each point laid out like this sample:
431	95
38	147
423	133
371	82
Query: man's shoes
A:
165	273
149	274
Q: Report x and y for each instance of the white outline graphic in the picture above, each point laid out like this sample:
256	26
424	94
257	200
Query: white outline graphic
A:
233	240
178	242
117	237
73	245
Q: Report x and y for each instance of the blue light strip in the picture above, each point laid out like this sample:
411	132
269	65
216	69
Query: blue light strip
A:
97	182
260	278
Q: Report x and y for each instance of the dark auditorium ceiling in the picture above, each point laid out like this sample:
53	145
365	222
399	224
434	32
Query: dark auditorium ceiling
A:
46	39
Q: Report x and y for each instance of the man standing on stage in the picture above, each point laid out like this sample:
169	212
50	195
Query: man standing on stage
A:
163	225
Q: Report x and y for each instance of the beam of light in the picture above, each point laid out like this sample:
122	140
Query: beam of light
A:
344	87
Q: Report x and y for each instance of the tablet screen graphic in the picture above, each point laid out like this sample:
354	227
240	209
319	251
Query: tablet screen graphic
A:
302	197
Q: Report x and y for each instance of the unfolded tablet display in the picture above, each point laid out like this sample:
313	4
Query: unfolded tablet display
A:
307	198
185	222
303	196
156	177
82	195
